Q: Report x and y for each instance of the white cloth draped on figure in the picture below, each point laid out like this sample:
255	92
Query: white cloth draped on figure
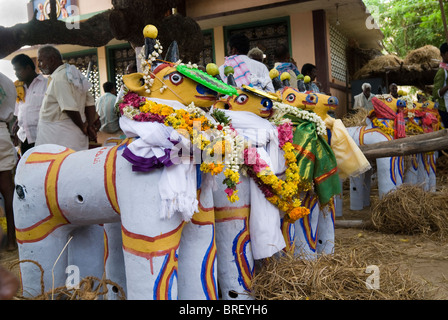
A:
151	149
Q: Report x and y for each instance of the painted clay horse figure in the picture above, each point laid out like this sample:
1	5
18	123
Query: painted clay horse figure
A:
61	193
315	232
237	223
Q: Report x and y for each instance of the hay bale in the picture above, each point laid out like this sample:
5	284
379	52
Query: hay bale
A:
428	54
410	210
356	119
379	64
339	276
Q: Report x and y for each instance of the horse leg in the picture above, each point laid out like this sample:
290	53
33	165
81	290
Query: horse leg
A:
389	176
306	229
113	259
325	236
150	243
234	253
86	249
367	187
197	276
411	176
432	172
47	253
357	191
339	201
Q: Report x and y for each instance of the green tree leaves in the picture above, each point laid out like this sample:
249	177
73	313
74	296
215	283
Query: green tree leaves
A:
408	24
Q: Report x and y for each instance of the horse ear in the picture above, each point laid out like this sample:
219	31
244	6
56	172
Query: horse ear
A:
172	54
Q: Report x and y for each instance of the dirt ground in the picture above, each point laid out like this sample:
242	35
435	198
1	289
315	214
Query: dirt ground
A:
425	257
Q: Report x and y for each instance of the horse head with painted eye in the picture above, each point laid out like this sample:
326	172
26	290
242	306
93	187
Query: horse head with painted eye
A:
172	81
175	82
316	102
247	99
391	102
430	106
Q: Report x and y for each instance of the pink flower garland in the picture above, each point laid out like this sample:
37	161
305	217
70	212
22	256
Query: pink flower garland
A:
253	160
151	117
284	133
132	99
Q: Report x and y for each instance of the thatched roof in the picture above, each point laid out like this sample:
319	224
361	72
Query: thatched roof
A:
418	68
425	55
379	64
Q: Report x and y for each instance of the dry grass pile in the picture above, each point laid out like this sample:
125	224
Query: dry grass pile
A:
442	169
356	119
411	210
378	64
340	276
427	55
89	288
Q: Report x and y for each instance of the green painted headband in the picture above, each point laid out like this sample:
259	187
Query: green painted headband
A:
206	80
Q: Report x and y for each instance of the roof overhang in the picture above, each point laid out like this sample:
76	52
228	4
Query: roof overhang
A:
354	19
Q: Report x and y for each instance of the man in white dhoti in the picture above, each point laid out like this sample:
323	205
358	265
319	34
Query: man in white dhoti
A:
68	113
8	155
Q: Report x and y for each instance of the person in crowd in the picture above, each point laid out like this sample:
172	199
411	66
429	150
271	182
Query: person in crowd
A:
8	156
440	90
131	68
393	90
246	70
284	63
67	116
256	54
310	70
105	108
9	283
32	87
364	99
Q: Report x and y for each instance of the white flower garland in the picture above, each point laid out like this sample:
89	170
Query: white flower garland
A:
191	108
409	105
147	64
189	65
282	109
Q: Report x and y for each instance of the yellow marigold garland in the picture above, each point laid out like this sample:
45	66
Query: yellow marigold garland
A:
411	126
382	127
283	194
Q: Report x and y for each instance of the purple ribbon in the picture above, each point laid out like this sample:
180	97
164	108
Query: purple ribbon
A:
142	164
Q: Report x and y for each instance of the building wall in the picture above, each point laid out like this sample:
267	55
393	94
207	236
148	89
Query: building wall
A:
199	8
89	6
218	34
302	43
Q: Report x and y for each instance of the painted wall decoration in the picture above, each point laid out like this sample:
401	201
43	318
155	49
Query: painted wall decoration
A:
43	9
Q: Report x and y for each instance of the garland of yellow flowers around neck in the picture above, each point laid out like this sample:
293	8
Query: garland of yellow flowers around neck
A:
285	136
226	144
383	127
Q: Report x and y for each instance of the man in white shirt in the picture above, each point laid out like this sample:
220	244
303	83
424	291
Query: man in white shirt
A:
68	113
8	158
364	99
33	87
105	108
246	70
